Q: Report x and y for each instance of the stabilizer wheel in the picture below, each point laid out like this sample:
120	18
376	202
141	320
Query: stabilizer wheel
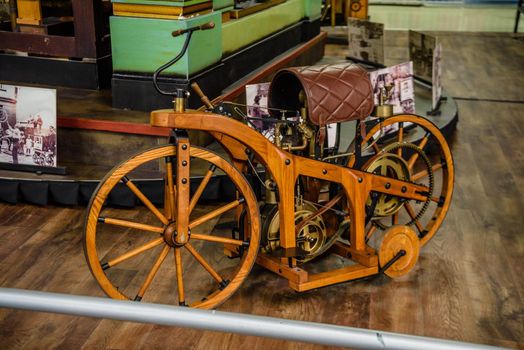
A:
137	253
401	243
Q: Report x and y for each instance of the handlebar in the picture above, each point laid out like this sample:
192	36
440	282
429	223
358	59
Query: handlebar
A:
205	26
176	33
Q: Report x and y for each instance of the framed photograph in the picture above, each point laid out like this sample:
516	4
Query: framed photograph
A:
437	76
256	101
402	95
366	40
421	53
28	126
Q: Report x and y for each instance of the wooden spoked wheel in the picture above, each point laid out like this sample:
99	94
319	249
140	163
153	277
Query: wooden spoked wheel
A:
409	148
133	253
399	239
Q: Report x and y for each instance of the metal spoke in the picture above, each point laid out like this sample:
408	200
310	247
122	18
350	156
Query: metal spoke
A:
376	148
131	224
201	188
210	238
179	278
394	219
370	232
383	170
307	245
203	262
145	200
152	273
412	215
170	187
414	157
133	253
436	199
215	213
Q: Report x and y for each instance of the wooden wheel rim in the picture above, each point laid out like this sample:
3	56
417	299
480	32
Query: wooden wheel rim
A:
113	177
448	173
399	238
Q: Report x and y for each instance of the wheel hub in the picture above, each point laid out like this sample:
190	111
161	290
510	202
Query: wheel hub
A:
393	166
399	238
173	238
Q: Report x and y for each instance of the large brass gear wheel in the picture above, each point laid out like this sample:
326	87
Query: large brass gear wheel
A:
390	165
416	142
389	205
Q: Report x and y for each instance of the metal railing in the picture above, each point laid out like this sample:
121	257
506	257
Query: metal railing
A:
309	332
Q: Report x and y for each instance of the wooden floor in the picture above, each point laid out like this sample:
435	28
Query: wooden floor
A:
467	286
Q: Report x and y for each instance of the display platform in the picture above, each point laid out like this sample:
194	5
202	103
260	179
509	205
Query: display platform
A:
82	74
76	187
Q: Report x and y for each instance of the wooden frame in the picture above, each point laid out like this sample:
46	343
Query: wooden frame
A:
285	168
398	251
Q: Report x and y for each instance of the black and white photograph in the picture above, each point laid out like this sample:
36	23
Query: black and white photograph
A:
421	53
437	75
28	125
366	40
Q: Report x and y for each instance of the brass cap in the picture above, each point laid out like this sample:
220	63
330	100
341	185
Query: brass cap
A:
384	111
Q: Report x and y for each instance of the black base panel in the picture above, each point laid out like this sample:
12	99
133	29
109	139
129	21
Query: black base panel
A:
38	169
58	192
49	71
135	91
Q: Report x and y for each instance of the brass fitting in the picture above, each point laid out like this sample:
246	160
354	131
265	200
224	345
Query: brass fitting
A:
384	110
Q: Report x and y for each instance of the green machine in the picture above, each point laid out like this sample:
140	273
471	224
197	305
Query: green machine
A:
141	41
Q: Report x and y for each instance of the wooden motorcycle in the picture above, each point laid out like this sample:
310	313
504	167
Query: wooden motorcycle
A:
374	205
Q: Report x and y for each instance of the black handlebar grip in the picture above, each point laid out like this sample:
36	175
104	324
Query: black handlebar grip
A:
179	32
205	26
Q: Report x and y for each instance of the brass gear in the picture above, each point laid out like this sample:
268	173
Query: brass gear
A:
311	238
393	166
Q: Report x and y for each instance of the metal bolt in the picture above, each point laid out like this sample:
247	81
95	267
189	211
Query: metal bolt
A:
388	185
184	162
403	189
288	162
359	179
184	181
324	171
184	146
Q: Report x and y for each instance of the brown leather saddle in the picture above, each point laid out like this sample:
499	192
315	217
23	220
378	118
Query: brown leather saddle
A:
334	93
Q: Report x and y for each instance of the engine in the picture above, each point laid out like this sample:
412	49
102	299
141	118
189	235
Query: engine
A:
323	96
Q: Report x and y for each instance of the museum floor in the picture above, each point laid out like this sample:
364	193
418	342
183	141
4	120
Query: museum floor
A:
467	285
